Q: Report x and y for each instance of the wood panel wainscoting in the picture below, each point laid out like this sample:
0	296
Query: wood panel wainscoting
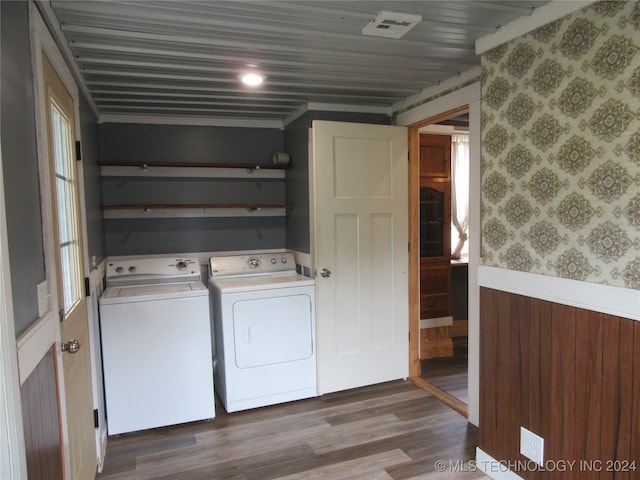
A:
570	375
39	398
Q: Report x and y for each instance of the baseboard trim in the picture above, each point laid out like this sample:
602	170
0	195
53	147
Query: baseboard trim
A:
493	468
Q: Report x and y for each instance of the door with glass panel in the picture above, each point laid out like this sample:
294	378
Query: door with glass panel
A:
67	233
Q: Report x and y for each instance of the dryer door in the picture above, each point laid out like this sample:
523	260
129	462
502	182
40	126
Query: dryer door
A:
272	330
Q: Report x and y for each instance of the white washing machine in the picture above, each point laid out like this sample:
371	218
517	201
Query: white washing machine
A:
156	344
263	314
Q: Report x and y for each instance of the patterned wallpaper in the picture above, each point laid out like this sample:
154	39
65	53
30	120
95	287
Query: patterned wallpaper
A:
561	148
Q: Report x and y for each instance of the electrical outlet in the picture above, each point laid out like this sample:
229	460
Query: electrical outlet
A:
532	446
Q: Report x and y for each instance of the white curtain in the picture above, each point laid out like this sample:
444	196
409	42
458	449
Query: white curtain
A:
459	194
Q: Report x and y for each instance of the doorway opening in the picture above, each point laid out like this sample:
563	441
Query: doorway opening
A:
439	270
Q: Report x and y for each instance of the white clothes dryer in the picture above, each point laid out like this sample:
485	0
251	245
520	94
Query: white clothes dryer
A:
263	314
156	344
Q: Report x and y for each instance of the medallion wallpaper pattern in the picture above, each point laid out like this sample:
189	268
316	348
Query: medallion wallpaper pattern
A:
561	148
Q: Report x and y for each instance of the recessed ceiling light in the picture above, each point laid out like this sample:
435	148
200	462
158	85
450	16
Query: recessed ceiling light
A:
252	79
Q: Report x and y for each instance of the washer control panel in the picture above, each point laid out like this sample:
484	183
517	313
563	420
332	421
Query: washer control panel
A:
264	263
152	269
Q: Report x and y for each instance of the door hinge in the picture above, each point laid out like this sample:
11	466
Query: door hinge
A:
96	422
409	247
87	287
61	314
78	151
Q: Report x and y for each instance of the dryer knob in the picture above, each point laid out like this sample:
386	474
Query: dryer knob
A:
181	266
119	269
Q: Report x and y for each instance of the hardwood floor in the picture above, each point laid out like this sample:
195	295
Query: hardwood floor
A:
389	431
450	374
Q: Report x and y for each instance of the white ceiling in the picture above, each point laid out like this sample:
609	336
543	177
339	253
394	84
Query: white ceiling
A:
182	59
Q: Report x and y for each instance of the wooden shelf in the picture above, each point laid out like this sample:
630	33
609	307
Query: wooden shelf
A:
191	170
195	211
176	170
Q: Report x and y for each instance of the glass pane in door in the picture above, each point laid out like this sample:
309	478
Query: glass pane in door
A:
66	199
431	222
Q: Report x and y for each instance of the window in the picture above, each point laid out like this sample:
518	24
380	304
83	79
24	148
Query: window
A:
64	187
459	194
65	191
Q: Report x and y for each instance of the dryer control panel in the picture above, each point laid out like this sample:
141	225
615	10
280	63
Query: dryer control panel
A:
254	264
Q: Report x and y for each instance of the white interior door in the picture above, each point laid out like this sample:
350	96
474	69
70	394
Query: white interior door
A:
360	209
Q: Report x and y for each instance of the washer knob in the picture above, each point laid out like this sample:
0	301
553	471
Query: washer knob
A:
283	259
273	261
254	262
181	265
132	269
119	269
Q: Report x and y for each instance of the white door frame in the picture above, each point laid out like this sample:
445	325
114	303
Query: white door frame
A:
469	95
36	341
42	40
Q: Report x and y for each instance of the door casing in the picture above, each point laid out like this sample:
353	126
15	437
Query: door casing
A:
440	108
46	331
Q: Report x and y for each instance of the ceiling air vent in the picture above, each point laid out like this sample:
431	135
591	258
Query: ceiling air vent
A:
391	25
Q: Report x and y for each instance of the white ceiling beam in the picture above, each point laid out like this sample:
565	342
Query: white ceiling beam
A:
336	107
191	120
132	93
451	84
275	113
123	102
548	13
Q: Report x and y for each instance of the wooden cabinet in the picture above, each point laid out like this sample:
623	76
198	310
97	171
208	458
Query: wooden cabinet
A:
435	245
435	157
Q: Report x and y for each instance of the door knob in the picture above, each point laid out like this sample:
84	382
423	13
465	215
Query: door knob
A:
325	273
72	346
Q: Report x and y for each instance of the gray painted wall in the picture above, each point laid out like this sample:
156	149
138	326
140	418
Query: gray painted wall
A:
175	143
20	163
92	184
460	292
297	181
200	144
296	139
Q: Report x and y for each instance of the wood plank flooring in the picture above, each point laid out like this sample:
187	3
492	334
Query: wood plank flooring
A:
450	374
390	431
